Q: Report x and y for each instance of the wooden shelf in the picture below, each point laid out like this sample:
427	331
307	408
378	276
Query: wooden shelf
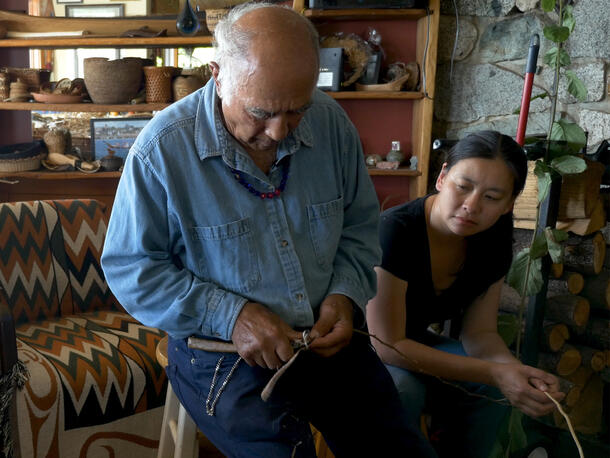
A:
375	95
401	172
81	107
48	175
365	14
95	41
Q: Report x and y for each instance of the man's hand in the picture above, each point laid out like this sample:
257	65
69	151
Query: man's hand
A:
262	338
334	327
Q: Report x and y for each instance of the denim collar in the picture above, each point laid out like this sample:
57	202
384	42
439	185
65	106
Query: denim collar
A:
212	138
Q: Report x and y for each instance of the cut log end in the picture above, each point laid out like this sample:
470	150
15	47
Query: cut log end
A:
581	312
557	270
569	362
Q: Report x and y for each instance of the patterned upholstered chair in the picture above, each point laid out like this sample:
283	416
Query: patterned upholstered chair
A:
95	388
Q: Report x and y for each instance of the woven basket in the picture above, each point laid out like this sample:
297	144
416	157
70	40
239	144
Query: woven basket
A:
159	83
21	165
112	81
33	77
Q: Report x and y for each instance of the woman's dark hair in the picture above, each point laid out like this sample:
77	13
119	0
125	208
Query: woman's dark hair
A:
489	144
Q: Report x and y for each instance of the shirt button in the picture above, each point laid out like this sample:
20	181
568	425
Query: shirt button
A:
284	242
192	360
299	297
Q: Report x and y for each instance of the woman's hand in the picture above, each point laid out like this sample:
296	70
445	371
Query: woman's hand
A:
524	387
334	327
262	338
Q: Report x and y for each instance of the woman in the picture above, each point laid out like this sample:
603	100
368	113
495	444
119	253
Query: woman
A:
445	256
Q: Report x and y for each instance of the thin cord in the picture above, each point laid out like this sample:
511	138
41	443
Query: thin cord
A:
580	452
502	401
457	36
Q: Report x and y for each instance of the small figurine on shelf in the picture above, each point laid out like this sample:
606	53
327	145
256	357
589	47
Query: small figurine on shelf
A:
371	160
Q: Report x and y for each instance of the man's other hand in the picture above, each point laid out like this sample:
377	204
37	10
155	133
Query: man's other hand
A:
262	338
334	327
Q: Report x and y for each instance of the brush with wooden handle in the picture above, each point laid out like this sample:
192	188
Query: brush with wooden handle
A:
62	159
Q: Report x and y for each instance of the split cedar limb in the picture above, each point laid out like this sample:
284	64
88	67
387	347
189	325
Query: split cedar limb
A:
567	283
597	290
591	357
569	309
554	335
562	363
585	254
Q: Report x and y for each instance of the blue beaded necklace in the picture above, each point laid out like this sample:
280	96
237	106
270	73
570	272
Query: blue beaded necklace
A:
264	195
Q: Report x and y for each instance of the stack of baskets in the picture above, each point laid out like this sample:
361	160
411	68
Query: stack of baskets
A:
32	77
22	156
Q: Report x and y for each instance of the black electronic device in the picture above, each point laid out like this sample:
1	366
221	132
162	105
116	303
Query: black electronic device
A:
343	4
331	69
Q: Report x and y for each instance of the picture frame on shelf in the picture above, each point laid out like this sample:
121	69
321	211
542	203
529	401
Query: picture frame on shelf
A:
115	135
61	2
97	10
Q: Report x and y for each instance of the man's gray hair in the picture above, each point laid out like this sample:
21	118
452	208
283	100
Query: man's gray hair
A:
231	45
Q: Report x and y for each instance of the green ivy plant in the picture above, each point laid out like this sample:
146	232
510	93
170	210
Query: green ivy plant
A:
564	140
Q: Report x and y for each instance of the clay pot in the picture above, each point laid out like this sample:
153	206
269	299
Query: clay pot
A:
112	81
111	163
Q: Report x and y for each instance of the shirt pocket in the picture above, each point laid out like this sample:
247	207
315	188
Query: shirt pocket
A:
325	228
228	255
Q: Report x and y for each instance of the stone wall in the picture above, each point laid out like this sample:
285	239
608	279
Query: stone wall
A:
481	87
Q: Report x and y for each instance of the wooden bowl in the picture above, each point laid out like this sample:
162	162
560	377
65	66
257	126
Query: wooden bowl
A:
56	98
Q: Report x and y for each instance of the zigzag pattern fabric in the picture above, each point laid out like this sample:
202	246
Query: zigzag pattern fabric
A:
94	378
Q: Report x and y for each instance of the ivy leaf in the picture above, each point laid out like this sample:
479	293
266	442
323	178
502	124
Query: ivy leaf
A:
516	431
576	86
555	249
508	326
544	180
570	132
569	165
548	5
551	56
568	18
516	276
538	248
556	33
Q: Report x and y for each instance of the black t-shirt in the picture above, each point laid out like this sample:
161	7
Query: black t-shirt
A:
406	255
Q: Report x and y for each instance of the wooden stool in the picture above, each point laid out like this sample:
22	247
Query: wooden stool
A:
178	430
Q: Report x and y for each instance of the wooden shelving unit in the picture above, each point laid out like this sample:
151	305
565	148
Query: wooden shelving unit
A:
96	41
82	107
365	13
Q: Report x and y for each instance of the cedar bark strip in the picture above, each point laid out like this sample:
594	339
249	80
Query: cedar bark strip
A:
568	283
562	363
569	309
597	290
554	335
585	254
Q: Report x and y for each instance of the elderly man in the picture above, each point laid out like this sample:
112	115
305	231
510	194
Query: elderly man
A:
245	214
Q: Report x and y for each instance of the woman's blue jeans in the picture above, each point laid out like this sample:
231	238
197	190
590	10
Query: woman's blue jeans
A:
462	425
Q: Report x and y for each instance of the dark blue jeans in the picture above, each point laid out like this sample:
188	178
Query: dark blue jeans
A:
350	398
463	426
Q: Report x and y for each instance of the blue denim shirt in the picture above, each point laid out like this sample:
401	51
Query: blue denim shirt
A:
187	245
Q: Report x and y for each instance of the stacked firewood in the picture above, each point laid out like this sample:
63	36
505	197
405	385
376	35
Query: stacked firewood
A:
575	339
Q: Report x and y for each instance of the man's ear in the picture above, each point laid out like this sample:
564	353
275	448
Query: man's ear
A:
440	180
215	72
